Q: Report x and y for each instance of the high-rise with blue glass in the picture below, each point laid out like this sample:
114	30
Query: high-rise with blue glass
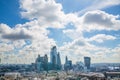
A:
87	62
55	58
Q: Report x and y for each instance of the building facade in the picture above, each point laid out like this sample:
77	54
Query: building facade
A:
87	62
68	64
41	63
55	60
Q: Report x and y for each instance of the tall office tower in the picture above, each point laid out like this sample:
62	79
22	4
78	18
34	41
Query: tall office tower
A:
46	58
53	54
58	61
87	62
53	57
45	65
66	60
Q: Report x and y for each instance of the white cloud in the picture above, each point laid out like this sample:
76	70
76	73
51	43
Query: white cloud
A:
99	17
5	47
101	38
18	48
97	20
76	52
16	36
47	9
48	13
14	33
4	28
42	14
91	21
100	4
72	33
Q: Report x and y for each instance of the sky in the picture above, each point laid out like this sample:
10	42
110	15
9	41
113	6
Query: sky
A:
77	27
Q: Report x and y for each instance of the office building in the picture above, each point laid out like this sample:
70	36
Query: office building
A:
55	58
58	62
68	64
41	63
87	62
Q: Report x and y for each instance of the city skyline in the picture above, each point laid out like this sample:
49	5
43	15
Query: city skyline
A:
78	28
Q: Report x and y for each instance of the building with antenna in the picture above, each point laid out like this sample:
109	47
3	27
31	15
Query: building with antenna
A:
68	64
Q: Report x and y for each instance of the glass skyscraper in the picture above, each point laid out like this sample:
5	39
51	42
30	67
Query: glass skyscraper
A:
55	58
87	62
53	55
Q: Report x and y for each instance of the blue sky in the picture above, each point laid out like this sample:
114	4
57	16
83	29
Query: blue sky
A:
10	13
78	28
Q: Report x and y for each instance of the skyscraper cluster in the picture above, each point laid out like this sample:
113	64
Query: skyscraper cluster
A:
42	63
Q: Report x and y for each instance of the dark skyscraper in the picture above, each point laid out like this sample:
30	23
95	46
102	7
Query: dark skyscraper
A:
87	62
